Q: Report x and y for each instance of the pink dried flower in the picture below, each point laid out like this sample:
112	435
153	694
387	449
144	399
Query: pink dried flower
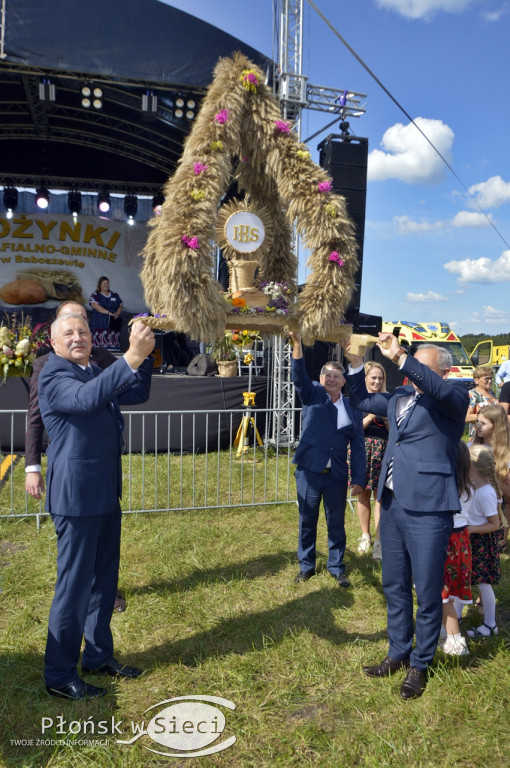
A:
222	116
324	186
282	126
199	168
249	80
336	258
191	242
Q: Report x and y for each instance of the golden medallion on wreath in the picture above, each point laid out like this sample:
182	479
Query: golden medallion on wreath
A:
245	235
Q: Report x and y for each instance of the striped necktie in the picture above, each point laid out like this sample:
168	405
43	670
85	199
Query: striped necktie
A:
400	418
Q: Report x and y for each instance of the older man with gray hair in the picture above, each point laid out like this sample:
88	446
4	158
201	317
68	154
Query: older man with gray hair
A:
418	495
80	408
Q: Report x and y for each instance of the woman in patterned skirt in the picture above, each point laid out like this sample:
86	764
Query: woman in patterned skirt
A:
106	309
376	438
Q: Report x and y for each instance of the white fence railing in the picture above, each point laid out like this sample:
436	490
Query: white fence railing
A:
176	460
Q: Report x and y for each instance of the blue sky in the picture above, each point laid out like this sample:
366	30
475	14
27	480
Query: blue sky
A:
429	253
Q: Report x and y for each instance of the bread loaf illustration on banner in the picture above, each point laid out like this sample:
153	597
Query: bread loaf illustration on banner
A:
58	284
23	292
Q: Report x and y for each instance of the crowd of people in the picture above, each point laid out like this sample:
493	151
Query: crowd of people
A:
438	511
438	502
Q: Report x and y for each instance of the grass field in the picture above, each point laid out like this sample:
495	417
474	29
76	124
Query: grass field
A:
213	610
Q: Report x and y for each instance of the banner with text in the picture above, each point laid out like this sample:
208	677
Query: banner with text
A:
46	259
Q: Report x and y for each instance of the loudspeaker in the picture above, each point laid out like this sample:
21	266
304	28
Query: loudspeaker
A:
201	365
345	158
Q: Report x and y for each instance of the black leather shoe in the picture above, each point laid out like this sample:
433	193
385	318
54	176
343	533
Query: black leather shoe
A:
120	603
414	684
341	579
115	669
76	690
386	667
304	576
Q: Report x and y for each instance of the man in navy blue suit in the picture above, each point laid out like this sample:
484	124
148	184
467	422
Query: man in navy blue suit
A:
418	494
330	425
79	405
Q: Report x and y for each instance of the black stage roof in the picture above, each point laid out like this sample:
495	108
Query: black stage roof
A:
128	49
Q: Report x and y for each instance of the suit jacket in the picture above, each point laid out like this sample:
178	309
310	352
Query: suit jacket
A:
84	424
321	441
424	447
35	427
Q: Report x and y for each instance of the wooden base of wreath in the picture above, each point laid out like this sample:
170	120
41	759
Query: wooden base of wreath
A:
265	324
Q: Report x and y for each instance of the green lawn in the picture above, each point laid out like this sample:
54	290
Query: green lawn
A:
213	610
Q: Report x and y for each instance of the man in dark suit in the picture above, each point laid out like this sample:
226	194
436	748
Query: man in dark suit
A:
418	494
34	481
330	425
80	409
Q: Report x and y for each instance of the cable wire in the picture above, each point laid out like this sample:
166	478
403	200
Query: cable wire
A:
399	106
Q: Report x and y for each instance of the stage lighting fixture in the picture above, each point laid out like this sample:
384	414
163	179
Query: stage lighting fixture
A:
190	109
103	201
149	102
10	200
85	96
98	98
130	207
46	90
179	107
74	202
157	202
42	198
91	97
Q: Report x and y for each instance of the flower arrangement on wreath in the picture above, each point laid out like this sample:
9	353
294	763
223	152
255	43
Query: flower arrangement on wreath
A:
19	345
226	349
278	303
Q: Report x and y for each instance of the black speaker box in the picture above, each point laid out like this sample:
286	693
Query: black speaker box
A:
201	365
345	159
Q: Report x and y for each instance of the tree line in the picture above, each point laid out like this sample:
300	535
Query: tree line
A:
470	340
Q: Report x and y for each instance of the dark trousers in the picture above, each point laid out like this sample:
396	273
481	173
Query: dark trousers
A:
414	546
88	551
312	487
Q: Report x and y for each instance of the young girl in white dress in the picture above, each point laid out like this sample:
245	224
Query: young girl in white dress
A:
484	517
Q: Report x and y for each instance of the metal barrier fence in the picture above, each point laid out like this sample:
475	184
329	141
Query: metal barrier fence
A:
175	461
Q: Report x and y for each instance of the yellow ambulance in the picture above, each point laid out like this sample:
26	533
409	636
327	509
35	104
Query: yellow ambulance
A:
414	334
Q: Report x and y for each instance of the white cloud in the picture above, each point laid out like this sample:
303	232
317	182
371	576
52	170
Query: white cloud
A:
429	296
482	270
497	13
491	193
471	219
424	9
408	156
406	226
491	316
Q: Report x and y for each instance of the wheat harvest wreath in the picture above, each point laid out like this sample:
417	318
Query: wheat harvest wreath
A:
239	136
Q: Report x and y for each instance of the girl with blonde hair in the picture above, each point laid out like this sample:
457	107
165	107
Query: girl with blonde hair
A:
485	518
492	429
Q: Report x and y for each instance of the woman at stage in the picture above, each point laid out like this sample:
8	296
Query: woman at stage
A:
105	321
